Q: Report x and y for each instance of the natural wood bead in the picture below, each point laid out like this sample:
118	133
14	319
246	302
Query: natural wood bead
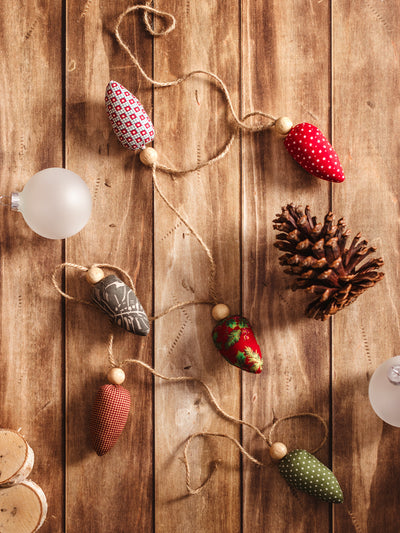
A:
278	451
94	275
116	376
283	125
220	311
148	156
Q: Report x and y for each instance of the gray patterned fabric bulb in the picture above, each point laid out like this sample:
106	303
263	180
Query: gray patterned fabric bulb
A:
121	304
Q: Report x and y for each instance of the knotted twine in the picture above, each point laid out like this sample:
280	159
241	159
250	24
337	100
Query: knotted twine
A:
267	439
240	125
173	172
170	23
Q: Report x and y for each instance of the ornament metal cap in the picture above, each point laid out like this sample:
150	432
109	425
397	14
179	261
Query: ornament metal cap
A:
394	375
15	201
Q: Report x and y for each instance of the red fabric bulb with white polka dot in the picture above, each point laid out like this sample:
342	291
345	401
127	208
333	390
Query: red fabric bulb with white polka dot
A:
310	148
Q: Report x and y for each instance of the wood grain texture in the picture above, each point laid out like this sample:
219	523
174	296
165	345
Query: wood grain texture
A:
118	486
31	363
365	85
334	64
190	133
278	59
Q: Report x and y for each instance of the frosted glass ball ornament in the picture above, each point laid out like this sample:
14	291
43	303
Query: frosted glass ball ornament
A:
384	391
55	203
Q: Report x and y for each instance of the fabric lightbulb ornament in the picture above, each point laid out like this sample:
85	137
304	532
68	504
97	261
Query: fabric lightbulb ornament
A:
309	147
235	340
118	301
304	472
108	417
129	120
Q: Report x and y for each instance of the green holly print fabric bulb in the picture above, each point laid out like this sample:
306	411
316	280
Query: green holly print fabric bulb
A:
235	340
304	472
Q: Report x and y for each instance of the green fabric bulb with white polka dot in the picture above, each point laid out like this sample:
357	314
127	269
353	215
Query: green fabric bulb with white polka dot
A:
304	472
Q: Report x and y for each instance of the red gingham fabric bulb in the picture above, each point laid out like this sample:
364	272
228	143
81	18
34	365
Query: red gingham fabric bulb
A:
310	148
129	120
109	415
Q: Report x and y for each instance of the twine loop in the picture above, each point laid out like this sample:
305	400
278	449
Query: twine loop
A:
123	273
168	19
171	22
240	123
82	268
268	440
299	415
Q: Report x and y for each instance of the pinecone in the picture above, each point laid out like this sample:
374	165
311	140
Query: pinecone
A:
317	254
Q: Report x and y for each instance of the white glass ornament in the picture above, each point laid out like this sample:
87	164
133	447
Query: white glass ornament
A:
55	203
384	391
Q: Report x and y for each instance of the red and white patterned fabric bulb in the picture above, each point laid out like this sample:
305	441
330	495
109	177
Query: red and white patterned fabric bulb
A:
129	120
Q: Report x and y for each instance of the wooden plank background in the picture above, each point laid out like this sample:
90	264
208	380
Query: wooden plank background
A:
334	64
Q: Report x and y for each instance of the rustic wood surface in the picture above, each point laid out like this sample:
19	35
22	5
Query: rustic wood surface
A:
334	64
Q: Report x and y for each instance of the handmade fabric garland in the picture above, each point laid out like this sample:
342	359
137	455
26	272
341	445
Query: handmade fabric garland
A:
305	142
232	335
110	411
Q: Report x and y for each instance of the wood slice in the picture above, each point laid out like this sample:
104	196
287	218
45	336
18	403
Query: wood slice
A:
16	458
23	508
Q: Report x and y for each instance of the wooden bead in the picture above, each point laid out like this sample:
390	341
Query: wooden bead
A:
148	156
94	275
283	125
220	311
278	451
116	376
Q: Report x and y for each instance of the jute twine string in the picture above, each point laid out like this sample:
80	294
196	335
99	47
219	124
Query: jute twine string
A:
123	273
214	402
240	125
181	379
212	265
171	22
243	451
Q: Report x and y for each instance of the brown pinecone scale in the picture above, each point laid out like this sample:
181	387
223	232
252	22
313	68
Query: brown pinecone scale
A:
317	255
